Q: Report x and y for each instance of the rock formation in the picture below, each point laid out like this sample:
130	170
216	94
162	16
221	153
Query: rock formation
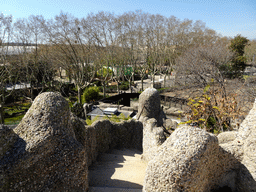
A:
170	124
7	140
242	145
149	106
153	137
51	149
104	135
189	160
45	155
193	160
152	116
227	136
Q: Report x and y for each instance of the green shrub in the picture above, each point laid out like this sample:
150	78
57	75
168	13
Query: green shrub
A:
124	85
89	121
78	110
113	88
103	72
90	94
122	117
119	118
213	110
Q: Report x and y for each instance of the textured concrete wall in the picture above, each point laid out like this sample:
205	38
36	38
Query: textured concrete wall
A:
193	160
149	106
43	152
190	160
104	135
153	137
51	149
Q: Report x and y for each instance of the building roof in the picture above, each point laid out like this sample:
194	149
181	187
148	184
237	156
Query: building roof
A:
110	111
96	112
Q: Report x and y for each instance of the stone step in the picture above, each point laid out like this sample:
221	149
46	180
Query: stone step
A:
106	157
98	166
113	189
128	152
118	169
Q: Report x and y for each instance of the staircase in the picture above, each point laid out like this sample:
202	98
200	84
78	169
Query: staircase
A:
117	171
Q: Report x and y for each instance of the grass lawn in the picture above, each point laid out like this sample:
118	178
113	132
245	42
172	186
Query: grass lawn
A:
15	112
13	120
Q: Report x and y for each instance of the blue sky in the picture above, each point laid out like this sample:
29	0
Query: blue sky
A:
227	17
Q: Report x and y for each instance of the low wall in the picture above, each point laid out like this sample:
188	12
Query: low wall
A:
104	135
153	138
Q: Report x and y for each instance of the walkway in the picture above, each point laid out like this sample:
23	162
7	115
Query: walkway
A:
118	171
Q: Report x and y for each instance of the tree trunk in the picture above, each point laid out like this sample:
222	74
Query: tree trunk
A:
130	84
118	90
37	88
31	91
104	89
69	78
60	73
165	80
79	94
153	79
1	114
142	83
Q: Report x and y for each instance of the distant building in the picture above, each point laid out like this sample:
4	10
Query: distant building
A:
16	50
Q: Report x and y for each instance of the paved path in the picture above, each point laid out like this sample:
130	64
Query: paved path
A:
117	170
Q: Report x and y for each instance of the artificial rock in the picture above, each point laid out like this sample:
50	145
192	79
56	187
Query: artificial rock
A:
190	160
149	106
46	155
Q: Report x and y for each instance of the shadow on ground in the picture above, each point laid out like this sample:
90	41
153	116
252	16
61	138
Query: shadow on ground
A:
118	169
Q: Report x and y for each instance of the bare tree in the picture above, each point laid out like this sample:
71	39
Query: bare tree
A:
65	34
5	68
201	65
104	34
81	46
26	63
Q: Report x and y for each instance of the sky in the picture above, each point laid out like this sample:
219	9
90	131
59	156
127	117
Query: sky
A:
227	17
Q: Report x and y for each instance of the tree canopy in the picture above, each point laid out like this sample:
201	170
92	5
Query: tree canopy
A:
238	47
